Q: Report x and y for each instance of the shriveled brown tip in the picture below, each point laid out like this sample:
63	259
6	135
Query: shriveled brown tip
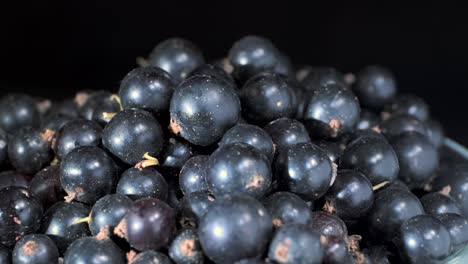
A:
353	243
44	105
359	257
16	220
329	207
81	98
323	239
377	129
349	78
131	256
446	190
73	194
30	248
277	222
103	233
282	251
227	66
385	115
174	127
335	125
47	135
255	181
142	62
121	229
187	247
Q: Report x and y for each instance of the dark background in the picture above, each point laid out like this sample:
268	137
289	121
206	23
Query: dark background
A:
54	49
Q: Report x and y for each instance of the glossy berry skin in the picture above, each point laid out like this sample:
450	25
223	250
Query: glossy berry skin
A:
454	175
457	226
238	168
3	147
296	243
37	249
45	186
107	212
396	125
438	203
251	55
13	178
131	134
408	104
97	104
20	214
286	132
252	261
142	183
55	121
391	208
372	156
58	223
423	239
287	208
203	108
331	111
351	195
333	149
29	151
148	224
94	250
5	254
417	157
75	134
192	176
174	155
315	77
18	111
87	174
215	72
335	250
147	88
192	207
304	169
435	132
327	224
176	56
367	120
266	97
186	248
375	86
251	135
225	235
151	257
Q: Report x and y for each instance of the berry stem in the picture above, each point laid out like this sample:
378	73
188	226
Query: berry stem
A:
117	99
147	162
81	220
380	185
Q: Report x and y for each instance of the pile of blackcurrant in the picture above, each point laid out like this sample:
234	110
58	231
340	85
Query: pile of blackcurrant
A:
245	160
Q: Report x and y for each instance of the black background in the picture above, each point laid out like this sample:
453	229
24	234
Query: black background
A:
53	49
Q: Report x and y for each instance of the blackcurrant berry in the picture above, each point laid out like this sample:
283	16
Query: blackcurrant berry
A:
286	208
238	168
227	236
375	86
75	134
176	56
408	104
304	169
186	248
147	88
192	176
142	183
107	212
20	214
203	108
87	174
286	132
18	111
37	248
